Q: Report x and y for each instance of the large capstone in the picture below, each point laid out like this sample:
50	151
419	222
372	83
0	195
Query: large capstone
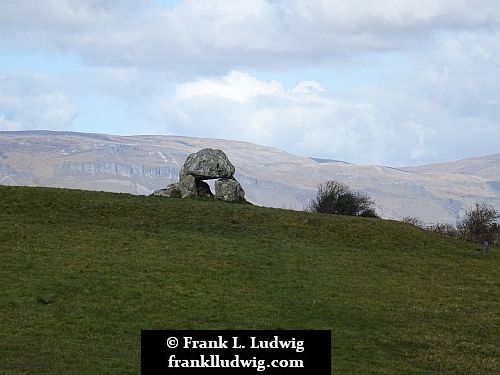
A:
207	164
229	190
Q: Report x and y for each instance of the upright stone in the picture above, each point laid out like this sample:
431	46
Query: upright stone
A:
229	190
187	187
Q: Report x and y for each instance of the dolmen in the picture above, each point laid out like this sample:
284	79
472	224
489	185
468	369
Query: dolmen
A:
206	164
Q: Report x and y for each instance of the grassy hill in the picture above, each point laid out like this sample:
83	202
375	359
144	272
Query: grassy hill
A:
81	273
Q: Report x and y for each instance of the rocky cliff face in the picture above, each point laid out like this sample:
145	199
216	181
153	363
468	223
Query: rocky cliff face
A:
270	177
115	169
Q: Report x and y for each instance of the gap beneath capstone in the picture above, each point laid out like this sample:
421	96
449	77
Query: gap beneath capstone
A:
202	188
211	183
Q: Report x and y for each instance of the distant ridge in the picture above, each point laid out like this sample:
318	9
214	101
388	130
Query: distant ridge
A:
487	166
139	164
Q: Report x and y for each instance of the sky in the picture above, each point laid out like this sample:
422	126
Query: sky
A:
387	82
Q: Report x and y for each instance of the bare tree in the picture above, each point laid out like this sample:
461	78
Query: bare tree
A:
479	223
334	197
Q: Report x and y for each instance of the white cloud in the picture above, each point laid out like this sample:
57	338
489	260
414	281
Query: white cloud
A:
415	119
237	86
27	103
445	105
304	119
214	36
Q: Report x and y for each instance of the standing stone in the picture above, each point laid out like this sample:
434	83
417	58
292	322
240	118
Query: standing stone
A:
187	187
229	190
207	164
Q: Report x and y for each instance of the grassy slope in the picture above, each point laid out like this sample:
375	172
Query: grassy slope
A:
81	273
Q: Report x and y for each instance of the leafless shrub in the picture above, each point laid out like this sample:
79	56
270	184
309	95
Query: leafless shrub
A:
334	197
445	229
412	220
479	224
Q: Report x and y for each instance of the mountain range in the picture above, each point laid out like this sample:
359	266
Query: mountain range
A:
271	177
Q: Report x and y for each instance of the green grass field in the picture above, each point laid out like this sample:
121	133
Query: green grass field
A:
83	272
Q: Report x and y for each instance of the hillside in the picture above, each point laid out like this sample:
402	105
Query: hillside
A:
485	167
83	272
270	177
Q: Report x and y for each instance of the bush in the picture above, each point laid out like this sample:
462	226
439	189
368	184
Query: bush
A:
334	197
479	223
413	221
445	229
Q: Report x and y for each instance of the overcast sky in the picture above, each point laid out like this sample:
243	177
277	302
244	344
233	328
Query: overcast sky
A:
391	82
